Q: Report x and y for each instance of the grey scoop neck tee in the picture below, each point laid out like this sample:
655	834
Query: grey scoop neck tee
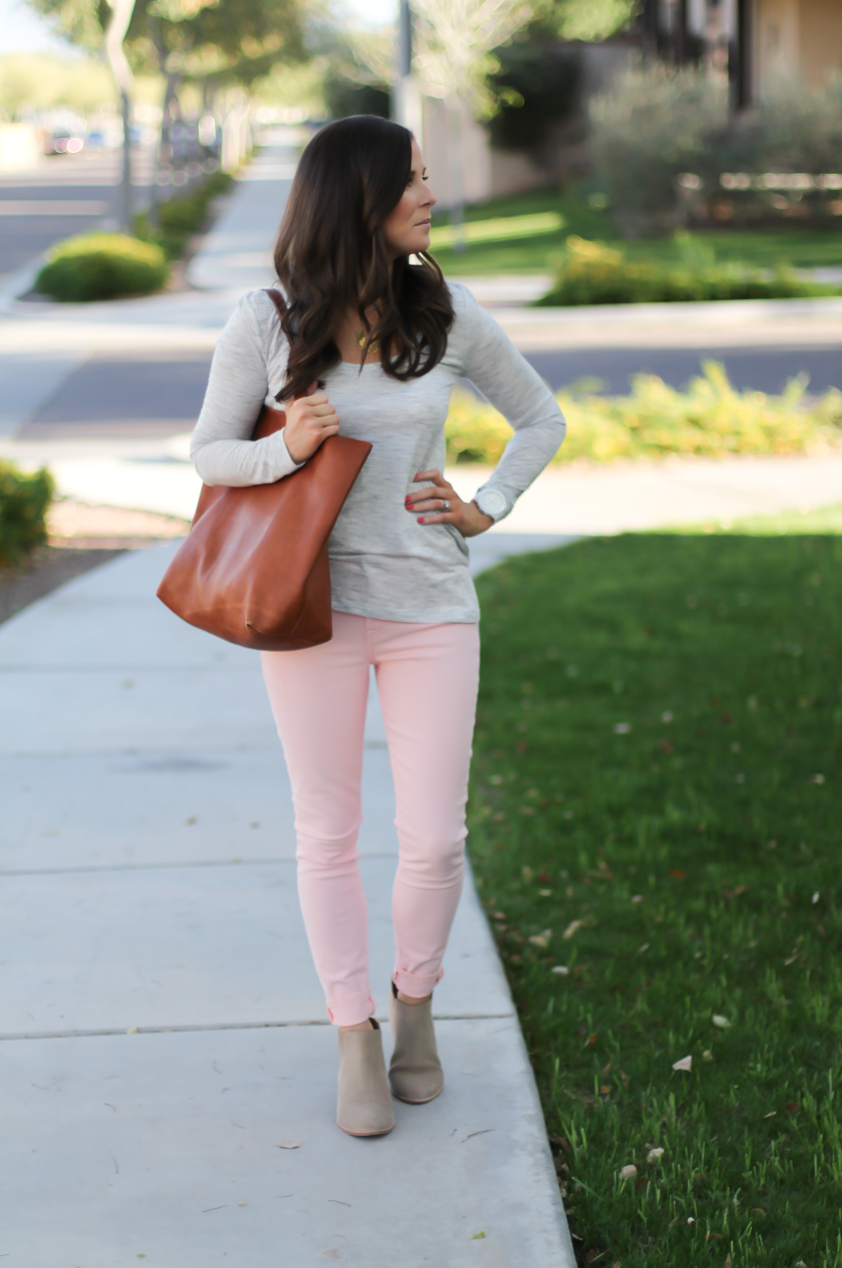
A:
383	563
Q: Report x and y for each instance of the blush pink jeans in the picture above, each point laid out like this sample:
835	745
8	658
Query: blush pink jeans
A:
427	682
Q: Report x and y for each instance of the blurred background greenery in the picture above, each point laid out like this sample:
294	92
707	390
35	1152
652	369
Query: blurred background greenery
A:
637	120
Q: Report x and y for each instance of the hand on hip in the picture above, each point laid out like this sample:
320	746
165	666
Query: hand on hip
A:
439	503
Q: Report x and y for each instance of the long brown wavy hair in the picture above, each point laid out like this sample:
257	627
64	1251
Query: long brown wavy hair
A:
331	256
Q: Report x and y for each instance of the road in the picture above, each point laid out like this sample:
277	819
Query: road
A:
159	394
63	195
764	369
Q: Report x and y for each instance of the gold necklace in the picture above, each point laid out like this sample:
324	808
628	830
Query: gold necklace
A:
362	335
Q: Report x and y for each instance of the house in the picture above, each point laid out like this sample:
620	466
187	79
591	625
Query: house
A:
755	43
794	39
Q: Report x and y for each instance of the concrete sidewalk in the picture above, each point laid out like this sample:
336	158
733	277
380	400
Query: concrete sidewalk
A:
169	1072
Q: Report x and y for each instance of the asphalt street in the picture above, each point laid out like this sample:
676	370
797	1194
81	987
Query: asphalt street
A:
62	195
151	395
158	394
763	369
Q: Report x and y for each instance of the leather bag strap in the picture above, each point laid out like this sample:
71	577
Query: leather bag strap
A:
278	300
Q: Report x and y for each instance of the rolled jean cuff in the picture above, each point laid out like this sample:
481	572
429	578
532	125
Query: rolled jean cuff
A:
418	985
350	1010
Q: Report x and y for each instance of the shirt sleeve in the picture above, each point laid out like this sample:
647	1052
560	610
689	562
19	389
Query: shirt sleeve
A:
221	447
507	380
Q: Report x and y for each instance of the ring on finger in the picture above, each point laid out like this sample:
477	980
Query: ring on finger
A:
446	506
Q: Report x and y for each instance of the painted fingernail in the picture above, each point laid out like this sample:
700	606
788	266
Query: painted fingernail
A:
420	519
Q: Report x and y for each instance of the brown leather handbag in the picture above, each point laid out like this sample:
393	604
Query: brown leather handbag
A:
254	568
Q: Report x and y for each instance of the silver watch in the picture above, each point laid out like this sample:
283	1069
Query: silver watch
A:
491	502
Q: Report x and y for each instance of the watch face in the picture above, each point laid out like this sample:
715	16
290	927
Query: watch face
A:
492	502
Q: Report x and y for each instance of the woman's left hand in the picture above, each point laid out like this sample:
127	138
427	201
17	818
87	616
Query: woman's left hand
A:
441	504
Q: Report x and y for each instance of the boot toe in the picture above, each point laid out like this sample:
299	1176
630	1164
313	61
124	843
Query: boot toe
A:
416	1086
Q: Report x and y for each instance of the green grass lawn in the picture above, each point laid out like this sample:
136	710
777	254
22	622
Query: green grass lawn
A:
655	813
767	248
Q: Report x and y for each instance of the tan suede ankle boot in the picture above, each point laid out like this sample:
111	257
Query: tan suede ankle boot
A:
415	1071
364	1104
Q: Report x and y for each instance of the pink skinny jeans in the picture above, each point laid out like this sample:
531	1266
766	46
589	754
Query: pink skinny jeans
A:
427	681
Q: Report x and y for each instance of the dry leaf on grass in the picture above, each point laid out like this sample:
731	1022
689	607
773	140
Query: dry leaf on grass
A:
686	1063
573	927
722	1022
561	969
628	1173
654	1154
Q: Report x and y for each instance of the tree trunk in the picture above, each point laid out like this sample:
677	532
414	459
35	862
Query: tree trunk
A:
118	24
124	220
454	146
164	152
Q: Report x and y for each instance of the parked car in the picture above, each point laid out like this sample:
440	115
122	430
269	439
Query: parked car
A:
62	141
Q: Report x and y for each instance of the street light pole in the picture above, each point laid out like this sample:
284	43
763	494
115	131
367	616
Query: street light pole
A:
406	97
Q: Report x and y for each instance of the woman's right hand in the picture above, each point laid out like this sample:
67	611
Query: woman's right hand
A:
310	420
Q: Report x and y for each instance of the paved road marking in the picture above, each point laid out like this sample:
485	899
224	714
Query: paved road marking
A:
49	207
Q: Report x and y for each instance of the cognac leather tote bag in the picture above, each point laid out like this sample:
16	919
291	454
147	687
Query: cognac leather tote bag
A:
254	568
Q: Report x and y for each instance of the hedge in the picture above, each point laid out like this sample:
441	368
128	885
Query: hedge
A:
101	266
593	273
24	502
182	216
709	419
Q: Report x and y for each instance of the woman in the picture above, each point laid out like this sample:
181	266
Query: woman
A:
371	320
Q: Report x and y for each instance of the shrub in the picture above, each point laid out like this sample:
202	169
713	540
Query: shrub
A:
661	139
653	125
181	217
795	129
534	88
24	501
101	266
708	419
593	273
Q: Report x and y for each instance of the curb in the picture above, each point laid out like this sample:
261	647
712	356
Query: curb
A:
725	311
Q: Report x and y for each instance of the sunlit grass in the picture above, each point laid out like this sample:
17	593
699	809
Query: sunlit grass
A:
798	246
500	229
655	809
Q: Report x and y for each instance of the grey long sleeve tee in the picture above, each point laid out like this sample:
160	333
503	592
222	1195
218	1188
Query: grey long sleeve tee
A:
383	563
